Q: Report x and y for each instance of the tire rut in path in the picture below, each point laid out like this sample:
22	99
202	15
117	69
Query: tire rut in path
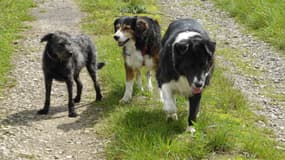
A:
25	135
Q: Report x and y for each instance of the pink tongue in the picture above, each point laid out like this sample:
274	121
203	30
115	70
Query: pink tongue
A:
196	90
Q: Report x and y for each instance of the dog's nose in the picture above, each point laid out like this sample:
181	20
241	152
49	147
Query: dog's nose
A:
198	84
116	37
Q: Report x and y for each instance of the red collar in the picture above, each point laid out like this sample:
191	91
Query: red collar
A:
144	51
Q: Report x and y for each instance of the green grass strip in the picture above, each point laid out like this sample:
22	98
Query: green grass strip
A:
225	128
264	17
12	14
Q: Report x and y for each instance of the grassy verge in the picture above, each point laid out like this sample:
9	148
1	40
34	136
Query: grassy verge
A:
13	13
264	17
225	129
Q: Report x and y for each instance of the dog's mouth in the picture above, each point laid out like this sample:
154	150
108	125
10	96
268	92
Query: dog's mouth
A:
196	90
123	43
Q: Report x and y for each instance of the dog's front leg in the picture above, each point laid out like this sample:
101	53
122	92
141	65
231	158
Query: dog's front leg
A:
129	84
48	84
169	102
71	110
139	80
148	81
194	103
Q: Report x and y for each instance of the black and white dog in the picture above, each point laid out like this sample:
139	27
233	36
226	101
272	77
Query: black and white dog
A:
63	58
185	66
140	38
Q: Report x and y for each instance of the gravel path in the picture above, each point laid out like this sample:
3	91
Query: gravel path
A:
25	135
266	88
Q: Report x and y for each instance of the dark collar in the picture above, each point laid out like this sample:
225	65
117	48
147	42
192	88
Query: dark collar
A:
144	50
51	57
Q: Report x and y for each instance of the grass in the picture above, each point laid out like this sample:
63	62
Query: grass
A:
225	128
264	17
13	13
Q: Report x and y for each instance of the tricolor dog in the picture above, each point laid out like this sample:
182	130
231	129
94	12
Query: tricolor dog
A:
140	38
185	66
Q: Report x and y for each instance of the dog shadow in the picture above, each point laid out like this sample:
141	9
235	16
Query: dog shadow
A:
147	124
24	118
87	118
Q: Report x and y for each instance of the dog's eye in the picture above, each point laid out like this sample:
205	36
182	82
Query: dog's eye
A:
126	27
62	44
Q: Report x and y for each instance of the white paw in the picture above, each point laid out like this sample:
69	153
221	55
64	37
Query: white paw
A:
142	89
172	116
125	100
149	87
190	129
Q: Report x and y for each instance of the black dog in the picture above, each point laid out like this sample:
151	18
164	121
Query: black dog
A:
63	58
140	38
185	67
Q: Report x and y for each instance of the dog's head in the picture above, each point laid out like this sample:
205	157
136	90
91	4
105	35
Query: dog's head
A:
60	44
193	57
129	28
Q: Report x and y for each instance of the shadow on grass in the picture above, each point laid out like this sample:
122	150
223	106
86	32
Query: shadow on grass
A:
150	122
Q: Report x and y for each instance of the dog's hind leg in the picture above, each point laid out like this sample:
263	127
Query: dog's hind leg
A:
92	72
71	110
48	85
79	88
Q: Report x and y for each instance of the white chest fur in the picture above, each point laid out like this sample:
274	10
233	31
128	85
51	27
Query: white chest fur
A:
181	86
134	57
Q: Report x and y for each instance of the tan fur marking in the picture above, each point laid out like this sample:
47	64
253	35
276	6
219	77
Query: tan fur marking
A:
142	24
130	73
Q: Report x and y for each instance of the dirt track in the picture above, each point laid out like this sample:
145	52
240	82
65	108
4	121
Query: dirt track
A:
25	135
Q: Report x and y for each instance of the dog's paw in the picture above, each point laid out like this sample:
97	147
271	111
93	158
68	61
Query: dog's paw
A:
76	99
190	129
72	114
42	111
171	116
125	99
99	98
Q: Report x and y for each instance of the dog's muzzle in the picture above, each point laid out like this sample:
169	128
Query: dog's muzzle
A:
120	43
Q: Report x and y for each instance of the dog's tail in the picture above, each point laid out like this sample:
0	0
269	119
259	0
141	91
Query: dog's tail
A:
100	65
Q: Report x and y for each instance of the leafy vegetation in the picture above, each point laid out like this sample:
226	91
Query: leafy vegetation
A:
225	128
264	17
13	13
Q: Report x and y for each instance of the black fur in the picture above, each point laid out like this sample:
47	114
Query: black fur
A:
63	58
189	58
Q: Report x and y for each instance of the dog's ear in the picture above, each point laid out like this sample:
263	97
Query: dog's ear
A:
47	37
210	47
116	23
181	47
141	25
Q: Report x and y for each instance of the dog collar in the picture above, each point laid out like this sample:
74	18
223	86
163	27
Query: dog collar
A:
144	50
51	57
